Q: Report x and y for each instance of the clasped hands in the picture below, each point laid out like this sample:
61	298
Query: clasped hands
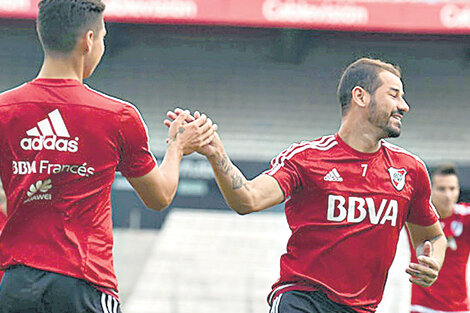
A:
192	133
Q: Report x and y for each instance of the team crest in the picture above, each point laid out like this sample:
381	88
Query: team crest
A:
397	176
457	228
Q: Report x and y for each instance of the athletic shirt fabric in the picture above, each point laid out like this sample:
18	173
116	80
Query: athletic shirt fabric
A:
61	143
345	209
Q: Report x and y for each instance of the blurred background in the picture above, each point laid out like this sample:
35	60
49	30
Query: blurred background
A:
266	71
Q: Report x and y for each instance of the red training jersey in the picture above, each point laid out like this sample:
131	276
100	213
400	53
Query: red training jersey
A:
60	146
449	293
3	220
345	209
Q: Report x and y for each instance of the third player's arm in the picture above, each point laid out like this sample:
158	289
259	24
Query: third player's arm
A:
242	195
430	245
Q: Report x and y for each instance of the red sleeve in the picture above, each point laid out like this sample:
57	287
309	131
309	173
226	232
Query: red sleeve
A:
284	168
3	219
422	212
136	157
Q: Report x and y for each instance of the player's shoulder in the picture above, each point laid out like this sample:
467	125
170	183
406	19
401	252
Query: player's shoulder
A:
13	94
109	102
302	152
462	208
319	145
402	154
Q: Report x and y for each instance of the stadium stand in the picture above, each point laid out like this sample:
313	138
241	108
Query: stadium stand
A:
211	262
231	75
208	262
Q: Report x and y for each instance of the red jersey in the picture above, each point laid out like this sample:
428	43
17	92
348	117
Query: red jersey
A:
345	209
3	220
61	144
449	293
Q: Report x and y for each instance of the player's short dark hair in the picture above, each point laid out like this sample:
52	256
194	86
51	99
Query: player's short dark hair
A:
61	22
363	73
444	169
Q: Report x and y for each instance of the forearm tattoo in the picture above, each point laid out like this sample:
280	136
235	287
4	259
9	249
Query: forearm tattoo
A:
227	168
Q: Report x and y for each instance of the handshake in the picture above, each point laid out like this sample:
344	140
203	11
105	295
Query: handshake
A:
192	132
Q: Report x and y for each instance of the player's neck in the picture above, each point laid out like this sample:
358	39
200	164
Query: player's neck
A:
62	68
358	137
444	213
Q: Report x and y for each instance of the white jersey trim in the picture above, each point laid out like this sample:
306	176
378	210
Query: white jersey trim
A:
12	89
462	209
323	144
423	309
132	106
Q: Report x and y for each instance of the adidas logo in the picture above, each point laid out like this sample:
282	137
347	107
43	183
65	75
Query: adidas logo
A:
46	135
333	175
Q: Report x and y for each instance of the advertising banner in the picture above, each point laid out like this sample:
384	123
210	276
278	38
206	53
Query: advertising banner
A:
405	16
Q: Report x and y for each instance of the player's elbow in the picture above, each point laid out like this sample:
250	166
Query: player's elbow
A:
243	211
243	208
158	204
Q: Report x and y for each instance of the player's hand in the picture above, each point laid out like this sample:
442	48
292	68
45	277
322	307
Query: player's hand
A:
190	133
172	115
208	149
425	272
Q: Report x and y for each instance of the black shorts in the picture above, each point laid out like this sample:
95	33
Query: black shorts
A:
28	290
306	302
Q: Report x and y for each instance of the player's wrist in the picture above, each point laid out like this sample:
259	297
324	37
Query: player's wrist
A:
177	146
215	156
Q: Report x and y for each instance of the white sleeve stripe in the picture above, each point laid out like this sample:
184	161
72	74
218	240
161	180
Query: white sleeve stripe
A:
278	166
320	142
462	209
292	147
300	144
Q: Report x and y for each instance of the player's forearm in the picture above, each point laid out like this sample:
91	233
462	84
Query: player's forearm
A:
439	244
170	170
232	183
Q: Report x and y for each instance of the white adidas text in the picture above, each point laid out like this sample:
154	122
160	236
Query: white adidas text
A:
45	134
357	209
49	143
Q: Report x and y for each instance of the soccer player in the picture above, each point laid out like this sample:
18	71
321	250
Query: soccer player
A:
347	196
449	293
60	146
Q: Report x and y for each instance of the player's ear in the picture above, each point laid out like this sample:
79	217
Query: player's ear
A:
87	41
360	97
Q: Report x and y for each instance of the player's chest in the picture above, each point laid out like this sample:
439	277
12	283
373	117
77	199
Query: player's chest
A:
455	231
360	177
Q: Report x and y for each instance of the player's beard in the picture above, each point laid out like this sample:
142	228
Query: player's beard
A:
383	121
